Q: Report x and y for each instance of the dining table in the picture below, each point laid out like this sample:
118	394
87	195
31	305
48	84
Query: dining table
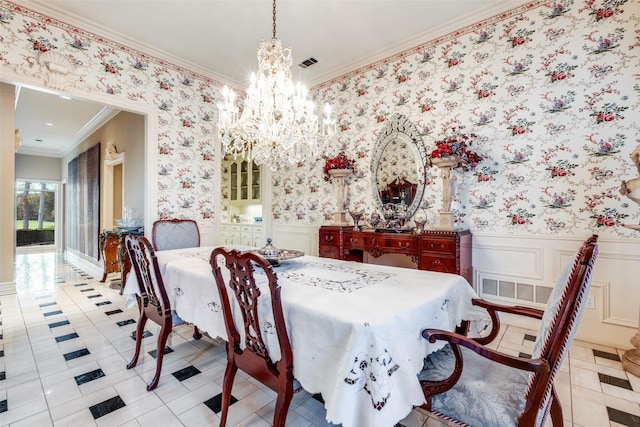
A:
355	328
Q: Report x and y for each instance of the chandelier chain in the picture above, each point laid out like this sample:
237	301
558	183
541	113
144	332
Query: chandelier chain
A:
274	19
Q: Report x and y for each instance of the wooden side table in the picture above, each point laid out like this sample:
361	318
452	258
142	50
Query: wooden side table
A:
114	253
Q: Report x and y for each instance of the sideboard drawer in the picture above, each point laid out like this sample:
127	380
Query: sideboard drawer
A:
439	263
448	246
329	242
354	241
329	251
330	238
396	244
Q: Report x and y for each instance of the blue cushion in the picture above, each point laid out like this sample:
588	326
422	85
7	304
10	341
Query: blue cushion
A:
488	394
551	311
176	320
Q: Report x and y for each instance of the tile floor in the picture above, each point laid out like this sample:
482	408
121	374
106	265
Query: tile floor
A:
65	339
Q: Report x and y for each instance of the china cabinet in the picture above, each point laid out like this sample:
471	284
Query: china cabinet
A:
241	234
443	251
244	181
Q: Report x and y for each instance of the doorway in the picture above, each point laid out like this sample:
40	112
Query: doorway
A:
37	205
113	190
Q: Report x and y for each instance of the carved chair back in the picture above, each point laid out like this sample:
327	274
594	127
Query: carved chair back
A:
145	265
153	303
558	326
247	349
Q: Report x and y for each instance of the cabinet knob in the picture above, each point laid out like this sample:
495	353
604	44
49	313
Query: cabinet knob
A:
406	245
352	240
328	238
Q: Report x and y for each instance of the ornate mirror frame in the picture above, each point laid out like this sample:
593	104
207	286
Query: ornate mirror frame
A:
400	129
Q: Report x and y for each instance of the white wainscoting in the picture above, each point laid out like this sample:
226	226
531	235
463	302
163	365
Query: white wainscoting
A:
209	235
523	269
296	237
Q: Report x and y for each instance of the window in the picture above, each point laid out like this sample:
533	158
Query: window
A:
35	213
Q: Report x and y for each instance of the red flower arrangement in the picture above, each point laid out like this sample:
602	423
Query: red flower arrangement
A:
341	161
458	144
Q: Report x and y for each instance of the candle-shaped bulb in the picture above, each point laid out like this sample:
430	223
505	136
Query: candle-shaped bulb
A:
327	111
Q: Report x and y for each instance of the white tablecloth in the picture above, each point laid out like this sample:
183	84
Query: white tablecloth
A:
355	329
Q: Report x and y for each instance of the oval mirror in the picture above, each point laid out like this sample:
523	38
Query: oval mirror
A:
398	166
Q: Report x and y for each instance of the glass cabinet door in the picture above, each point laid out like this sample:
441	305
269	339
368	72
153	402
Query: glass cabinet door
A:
244	180
255	181
233	179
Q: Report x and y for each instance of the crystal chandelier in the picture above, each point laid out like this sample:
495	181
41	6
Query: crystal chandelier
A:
277	123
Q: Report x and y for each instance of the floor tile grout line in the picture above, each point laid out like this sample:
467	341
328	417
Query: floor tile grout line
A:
98	284
62	288
21	306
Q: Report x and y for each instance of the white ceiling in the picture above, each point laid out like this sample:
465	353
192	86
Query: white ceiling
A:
51	125
220	37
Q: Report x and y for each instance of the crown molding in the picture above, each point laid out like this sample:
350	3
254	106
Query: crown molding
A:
460	26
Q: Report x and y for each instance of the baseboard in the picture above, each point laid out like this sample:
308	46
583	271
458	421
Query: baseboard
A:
89	267
7	288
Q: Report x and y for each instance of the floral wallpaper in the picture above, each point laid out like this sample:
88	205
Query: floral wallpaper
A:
551	89
185	100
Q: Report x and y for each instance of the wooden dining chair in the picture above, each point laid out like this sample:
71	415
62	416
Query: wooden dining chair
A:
471	384
175	234
252	356
153	303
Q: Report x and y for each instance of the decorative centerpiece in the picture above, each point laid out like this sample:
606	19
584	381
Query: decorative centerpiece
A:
375	220
275	256
451	152
356	215
338	168
420	219
128	222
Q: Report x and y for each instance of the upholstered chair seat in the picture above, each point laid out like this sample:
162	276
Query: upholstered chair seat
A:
487	394
475	385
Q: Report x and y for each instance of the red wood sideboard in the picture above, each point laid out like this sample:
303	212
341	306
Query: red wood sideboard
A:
444	251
